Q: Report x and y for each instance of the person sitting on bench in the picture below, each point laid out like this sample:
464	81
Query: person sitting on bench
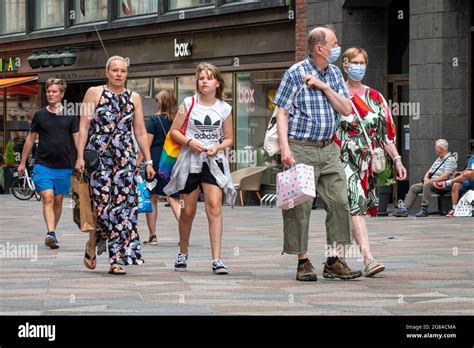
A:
442	168
462	182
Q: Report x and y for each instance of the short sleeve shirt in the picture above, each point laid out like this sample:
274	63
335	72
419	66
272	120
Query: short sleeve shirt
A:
56	147
311	115
205	122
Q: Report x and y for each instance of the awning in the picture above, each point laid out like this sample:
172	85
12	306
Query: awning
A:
13	81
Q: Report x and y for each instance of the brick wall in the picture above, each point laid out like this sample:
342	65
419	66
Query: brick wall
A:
301	30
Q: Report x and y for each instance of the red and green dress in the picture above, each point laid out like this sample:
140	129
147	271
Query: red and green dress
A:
376	117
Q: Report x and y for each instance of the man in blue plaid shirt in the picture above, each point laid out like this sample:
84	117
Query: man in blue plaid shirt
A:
310	98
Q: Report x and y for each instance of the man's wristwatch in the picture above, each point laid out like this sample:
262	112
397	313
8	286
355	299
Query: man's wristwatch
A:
150	162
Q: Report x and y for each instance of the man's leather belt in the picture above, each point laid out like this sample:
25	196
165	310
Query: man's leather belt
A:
319	143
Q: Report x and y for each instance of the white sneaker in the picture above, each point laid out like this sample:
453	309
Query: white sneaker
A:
181	262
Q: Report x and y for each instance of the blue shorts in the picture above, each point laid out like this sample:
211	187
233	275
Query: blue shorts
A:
56	179
467	185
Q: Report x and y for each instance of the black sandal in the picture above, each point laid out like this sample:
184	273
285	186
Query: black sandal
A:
116	270
152	240
92	259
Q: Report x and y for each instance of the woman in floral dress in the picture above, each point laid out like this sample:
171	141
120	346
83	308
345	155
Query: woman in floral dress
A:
107	117
376	118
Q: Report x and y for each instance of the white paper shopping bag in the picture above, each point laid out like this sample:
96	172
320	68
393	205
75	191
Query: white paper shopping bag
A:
295	186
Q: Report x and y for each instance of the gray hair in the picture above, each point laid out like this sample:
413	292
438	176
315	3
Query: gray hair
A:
316	37
442	143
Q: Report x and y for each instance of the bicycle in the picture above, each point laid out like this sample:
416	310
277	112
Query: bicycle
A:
23	187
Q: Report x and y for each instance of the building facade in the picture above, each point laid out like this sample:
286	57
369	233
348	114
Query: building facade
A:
420	59
252	42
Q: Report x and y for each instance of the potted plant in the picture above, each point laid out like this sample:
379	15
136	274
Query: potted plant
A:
385	180
8	164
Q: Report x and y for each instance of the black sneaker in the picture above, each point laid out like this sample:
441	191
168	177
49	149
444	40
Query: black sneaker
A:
181	262
51	240
218	267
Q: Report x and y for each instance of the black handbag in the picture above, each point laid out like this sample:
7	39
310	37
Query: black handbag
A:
91	160
92	156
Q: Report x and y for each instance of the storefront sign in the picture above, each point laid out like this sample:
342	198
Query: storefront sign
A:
9	64
246	95
182	49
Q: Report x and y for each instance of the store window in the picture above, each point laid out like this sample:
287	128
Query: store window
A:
12	16
128	8
254	107
49	14
225	2
180	4
144	87
22	103
163	84
89	11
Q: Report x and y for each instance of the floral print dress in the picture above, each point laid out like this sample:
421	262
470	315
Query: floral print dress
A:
114	185
376	118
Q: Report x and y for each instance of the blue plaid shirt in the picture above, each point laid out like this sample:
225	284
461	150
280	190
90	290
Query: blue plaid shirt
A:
312	116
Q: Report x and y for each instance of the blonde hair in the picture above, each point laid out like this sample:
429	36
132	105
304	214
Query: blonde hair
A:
352	52
167	104
61	83
215	73
111	59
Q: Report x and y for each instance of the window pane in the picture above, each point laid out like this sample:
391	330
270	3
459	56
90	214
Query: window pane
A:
90	11
49	14
163	84
254	107
136	7
143	88
12	16
238	1
22	103
186	87
177	4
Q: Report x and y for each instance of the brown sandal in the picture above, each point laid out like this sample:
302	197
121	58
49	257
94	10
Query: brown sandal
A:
152	240
116	270
93	262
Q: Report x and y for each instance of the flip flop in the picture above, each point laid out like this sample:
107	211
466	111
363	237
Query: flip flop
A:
151	241
116	270
93	263
372	268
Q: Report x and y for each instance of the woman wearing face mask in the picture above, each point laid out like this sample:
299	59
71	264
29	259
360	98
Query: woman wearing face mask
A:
375	117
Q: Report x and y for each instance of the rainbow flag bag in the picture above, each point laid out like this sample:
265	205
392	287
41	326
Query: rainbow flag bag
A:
171	149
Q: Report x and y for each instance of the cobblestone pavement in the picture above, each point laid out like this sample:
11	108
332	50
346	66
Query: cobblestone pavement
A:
429	271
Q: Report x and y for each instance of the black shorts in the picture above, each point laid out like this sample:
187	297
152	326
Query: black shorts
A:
196	179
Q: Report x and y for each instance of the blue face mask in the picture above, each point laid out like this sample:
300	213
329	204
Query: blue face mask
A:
356	72
335	53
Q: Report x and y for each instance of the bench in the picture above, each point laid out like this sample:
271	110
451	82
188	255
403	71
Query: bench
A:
444	203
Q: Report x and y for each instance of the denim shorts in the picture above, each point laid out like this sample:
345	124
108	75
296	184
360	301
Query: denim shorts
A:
467	185
56	179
